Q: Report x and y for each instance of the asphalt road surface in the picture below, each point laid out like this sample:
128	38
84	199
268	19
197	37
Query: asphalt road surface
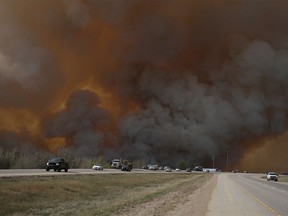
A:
43	172
248	194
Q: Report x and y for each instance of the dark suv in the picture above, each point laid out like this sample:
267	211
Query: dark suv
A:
57	164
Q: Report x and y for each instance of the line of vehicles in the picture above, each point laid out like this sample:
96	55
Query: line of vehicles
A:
168	169
58	164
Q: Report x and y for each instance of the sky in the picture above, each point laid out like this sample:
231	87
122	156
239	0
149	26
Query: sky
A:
161	81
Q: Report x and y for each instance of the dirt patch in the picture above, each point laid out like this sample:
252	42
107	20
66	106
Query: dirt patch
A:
190	199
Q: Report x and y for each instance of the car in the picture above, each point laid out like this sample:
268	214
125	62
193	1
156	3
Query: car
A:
198	168
97	167
168	169
272	176
126	167
153	167
188	170
57	164
177	169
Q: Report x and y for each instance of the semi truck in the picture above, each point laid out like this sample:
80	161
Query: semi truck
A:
124	165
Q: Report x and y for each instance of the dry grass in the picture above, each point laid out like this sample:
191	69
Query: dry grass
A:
283	178
88	195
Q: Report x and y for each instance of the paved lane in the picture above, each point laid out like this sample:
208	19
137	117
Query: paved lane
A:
248	194
43	172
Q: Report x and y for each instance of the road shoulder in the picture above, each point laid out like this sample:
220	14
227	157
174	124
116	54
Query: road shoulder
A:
198	201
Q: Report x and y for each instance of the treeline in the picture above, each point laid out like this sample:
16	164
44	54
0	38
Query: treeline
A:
29	157
32	158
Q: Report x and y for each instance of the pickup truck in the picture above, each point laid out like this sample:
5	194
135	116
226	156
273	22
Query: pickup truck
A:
57	164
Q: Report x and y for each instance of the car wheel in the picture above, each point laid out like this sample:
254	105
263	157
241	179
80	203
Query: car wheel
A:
55	170
66	170
59	170
47	169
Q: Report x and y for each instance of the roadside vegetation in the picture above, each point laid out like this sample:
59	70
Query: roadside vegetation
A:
283	178
99	195
27	157
30	157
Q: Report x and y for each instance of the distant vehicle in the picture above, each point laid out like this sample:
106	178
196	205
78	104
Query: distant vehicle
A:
97	167
57	164
177	169
209	170
188	170
126	167
272	176
119	164
153	167
168	169
198	168
116	164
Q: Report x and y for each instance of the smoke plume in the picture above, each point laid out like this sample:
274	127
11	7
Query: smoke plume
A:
164	81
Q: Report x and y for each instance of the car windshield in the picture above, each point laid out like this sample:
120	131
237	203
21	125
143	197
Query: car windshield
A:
56	160
272	173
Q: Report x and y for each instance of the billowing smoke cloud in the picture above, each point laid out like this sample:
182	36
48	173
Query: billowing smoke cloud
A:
177	80
184	117
79	122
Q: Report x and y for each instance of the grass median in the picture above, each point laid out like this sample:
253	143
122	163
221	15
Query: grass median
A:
89	194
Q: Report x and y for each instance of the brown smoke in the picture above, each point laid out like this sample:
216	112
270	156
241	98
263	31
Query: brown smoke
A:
163	81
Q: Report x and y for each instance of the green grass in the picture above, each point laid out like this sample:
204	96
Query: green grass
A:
87	194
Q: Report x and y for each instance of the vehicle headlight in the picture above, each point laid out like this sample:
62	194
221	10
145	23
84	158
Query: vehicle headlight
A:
57	164
47	163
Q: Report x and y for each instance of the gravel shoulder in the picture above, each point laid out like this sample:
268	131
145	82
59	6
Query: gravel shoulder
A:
190	199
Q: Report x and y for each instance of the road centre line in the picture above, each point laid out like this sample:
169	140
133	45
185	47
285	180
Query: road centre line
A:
259	201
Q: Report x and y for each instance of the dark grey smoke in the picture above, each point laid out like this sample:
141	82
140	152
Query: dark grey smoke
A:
182	118
79	122
179	80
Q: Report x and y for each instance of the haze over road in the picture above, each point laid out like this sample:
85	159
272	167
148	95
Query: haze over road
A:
248	194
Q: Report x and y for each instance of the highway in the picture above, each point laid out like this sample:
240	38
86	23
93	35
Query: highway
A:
43	172
248	194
